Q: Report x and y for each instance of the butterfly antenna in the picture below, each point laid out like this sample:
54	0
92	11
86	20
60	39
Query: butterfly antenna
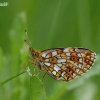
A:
28	42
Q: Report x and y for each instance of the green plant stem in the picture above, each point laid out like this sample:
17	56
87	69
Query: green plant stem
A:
11	78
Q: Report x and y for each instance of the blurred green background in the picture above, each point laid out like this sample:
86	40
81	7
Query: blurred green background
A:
50	24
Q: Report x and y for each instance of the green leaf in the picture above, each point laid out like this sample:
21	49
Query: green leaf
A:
37	91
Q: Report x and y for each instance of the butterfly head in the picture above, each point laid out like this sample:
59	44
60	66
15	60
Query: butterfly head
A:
32	52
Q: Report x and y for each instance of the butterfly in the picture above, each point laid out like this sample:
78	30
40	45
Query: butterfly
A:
63	64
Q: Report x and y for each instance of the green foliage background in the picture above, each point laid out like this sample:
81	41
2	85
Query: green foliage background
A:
50	24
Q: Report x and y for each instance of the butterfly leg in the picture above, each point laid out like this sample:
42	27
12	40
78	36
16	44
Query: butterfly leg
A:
33	64
26	68
43	78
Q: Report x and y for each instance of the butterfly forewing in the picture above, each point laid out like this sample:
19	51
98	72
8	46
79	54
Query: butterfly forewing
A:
66	63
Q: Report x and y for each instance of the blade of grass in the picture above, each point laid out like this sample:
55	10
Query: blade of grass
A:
54	22
11	78
84	23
